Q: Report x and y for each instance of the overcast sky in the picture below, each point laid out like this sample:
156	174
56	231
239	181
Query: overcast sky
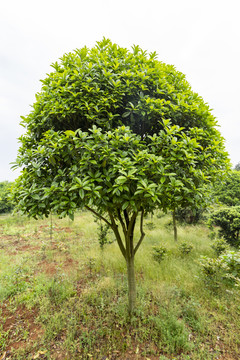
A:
201	38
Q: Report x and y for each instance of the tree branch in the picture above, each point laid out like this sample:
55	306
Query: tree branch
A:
126	217
98	215
129	237
116	232
122	223
142	233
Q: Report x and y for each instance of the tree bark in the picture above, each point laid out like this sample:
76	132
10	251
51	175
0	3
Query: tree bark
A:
131	285
174	225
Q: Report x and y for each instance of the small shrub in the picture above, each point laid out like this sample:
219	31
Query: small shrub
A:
150	225
159	253
185	248
220	246
5	203
228	219
222	270
103	230
232	260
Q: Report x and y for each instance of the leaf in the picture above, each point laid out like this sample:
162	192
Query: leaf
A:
125	205
81	193
126	114
121	180
69	133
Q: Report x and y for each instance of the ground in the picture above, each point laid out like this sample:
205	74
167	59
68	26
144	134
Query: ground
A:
62	297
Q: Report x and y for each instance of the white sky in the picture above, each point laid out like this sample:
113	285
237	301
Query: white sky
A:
201	38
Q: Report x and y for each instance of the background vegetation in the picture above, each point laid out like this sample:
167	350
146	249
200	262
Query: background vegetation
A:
63	296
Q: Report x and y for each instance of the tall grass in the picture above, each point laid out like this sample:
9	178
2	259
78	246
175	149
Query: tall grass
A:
79	291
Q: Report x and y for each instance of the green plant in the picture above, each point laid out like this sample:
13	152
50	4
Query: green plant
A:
228	219
220	246
222	270
5	203
185	248
228	191
232	260
103	230
189	215
121	134
159	253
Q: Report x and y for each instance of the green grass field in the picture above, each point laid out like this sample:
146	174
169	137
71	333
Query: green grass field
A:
63	297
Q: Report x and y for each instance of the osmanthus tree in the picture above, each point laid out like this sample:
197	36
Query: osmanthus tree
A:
228	191
119	133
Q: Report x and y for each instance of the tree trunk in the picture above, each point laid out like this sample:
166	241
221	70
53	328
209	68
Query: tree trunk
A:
131	285
174	225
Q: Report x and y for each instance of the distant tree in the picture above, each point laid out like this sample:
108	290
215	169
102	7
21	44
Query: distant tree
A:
99	137
228	191
237	167
5	203
228	219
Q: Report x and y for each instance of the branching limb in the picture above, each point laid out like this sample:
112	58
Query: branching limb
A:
122	223
118	236
98	215
126	217
142	233
129	237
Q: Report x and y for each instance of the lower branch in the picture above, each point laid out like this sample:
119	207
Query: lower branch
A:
142	233
116	232
98	215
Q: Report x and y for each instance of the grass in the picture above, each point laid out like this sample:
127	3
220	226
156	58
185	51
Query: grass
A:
63	297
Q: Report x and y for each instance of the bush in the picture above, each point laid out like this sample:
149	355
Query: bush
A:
220	246
228	192
228	219
5	204
232	260
189	215
185	248
159	253
222	270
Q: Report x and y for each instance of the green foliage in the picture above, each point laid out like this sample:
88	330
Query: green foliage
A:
232	260
237	167
159	253
222	270
185	248
109	86
228	191
220	246
5	203
121	134
75	308
103	230
189	215
228	219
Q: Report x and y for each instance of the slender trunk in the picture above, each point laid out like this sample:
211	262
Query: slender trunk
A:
174	225
131	285
51	227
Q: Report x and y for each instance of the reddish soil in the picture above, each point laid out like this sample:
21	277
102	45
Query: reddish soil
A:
21	326
51	268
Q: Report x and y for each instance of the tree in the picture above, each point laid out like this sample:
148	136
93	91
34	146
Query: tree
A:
237	167
99	137
228	191
228	219
5	203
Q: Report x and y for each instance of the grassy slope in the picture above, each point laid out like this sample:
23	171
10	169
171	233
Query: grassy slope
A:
62	297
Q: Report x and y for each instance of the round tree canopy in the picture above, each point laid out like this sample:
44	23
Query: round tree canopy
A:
109	86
